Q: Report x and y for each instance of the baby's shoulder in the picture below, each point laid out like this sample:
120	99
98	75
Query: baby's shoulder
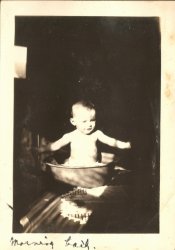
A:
69	135
97	133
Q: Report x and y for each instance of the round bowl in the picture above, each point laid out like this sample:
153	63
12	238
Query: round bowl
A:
82	176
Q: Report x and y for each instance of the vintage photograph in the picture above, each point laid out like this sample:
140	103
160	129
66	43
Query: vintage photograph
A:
86	124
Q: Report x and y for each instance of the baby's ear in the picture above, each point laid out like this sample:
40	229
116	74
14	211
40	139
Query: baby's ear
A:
72	121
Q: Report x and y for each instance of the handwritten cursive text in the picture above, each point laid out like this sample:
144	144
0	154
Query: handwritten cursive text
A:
81	244
15	242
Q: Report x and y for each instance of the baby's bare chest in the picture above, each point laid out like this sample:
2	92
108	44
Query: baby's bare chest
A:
84	142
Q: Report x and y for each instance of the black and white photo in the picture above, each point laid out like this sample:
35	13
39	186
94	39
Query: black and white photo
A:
87	125
87	117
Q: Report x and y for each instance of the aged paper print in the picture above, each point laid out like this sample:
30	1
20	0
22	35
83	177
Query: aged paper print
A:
121	56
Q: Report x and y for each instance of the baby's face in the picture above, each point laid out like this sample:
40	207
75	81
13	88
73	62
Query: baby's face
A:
84	120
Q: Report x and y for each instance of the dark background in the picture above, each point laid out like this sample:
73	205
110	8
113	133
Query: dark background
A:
114	61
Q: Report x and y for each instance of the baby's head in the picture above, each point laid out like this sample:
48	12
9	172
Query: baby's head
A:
84	116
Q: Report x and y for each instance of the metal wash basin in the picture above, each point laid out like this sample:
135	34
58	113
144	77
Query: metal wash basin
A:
83	176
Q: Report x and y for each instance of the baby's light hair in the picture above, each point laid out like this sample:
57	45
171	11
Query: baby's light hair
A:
82	104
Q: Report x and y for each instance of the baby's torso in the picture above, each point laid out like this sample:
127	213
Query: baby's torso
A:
83	148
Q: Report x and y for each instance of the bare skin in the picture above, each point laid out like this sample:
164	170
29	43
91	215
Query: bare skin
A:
84	138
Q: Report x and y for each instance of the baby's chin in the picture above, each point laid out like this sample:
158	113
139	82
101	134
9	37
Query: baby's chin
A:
88	132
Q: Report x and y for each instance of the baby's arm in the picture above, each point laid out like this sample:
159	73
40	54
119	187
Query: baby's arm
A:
63	141
112	142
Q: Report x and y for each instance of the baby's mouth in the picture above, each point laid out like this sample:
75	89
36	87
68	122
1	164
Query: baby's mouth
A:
89	129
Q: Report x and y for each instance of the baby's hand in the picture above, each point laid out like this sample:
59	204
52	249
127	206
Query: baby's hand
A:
123	145
43	149
128	145
39	150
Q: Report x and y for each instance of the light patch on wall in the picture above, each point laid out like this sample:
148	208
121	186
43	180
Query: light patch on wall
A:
20	61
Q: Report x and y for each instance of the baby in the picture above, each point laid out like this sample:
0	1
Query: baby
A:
84	138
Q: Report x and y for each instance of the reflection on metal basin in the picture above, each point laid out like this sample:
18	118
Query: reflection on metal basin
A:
87	177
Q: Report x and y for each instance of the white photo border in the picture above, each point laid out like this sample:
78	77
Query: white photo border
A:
165	11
